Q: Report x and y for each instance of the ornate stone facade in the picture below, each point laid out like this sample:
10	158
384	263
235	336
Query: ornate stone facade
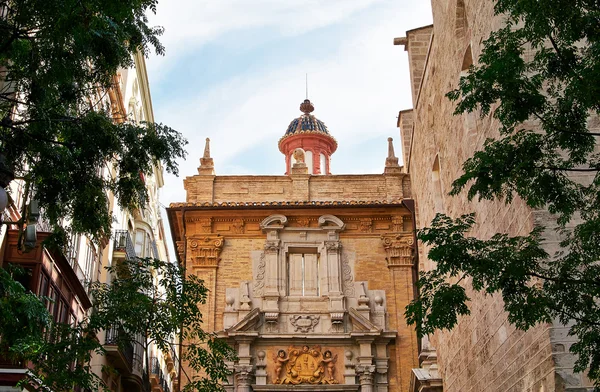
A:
302	279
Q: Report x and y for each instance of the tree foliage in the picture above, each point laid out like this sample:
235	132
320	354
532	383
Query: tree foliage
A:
148	301
58	60
539	76
153	302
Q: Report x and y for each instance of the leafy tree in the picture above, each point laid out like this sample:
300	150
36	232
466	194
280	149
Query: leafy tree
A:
57	61
151	302
148	301
539	76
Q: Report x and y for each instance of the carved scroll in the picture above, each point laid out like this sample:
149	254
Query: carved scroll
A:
400	250
205	251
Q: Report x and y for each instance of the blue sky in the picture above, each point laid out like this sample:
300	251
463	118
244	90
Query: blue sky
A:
235	70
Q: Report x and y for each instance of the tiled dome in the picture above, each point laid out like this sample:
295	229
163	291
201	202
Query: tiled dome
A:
307	122
304	123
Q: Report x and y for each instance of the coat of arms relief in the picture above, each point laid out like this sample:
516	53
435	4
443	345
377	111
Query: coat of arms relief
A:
304	365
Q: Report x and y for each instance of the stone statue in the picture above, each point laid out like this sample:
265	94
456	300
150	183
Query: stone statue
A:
299	155
280	361
328	363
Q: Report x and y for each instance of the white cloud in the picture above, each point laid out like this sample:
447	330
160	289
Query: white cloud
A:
191	23
358	88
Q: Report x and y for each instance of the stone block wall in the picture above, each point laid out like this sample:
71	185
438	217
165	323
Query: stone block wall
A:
242	189
484	352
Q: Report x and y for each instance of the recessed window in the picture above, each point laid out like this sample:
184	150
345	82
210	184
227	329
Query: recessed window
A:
303	273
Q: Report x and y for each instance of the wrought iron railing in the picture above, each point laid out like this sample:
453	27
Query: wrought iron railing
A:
157	371
115	338
175	359
123	242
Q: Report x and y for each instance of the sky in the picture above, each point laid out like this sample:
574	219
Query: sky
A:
234	71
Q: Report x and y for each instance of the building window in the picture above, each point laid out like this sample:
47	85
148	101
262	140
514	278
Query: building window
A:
323	164
143	244
303	273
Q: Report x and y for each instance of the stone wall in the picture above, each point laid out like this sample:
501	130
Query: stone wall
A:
484	352
222	237
219	189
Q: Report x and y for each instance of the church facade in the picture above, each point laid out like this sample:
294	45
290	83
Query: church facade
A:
309	273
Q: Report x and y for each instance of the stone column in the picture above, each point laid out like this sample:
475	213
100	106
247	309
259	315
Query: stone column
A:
381	367
243	378
365	376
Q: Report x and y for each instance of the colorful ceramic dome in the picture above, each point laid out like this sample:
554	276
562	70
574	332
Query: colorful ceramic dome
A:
307	122
310	134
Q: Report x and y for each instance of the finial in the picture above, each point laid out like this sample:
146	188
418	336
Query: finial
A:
391	162
391	148
207	149
207	166
306	107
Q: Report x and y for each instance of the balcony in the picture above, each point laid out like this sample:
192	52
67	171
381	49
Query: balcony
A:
157	378
123	248
119	351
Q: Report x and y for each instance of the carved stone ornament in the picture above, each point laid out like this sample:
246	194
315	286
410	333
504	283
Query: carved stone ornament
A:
238	226
272	246
303	222
304	323
398	222
299	155
366	225
400	249
348	280
259	279
304	366
180	249
333	245
206	225
205	251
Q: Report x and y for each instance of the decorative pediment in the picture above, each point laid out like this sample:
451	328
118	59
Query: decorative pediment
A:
361	323
248	323
269	222
331	221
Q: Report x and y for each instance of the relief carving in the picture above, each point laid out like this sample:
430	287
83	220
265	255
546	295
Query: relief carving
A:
180	249
400	249
272	246
398	222
238	226
348	285
304	366
206	225
303	222
259	281
366	225
304	323
205	251
333	245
